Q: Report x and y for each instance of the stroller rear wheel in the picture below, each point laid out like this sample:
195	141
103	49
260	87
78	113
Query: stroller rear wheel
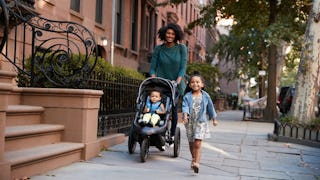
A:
144	149
176	144
132	142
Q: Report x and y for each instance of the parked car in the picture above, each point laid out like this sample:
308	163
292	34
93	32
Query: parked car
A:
285	99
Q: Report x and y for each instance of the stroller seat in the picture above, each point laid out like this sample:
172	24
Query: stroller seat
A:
156	136
166	102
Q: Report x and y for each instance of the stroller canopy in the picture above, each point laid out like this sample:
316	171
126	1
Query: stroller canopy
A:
164	85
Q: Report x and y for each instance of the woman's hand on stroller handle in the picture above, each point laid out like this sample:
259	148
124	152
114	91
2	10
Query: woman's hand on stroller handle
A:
175	84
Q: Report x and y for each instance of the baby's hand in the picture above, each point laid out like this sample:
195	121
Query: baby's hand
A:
215	122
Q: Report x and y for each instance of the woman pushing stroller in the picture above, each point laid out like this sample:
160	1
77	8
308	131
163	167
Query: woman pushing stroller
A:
169	61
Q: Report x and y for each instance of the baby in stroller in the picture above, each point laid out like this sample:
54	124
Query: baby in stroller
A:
153	108
151	126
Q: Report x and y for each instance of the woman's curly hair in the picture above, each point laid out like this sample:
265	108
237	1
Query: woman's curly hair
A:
176	28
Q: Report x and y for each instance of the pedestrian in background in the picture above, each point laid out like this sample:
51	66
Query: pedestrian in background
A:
169	61
196	106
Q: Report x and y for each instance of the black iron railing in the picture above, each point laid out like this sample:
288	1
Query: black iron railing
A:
115	123
62	52
118	102
296	131
49	53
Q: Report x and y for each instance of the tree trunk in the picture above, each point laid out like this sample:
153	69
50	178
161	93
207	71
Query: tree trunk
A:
307	85
270	112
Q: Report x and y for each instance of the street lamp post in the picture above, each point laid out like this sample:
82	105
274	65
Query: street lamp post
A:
112	31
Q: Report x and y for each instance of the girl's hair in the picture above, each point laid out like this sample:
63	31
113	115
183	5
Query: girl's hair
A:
176	28
195	73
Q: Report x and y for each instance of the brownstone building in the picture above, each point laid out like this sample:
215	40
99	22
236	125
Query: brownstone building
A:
45	128
127	32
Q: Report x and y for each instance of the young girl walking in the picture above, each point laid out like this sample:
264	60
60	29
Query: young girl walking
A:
196	106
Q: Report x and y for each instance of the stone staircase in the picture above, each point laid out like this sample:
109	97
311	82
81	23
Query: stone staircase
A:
32	145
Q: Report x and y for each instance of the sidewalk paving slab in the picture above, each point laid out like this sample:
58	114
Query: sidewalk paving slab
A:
237	150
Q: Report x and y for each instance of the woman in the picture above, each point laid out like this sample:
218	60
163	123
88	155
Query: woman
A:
169	61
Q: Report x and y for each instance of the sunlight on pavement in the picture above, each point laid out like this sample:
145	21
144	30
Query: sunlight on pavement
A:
221	151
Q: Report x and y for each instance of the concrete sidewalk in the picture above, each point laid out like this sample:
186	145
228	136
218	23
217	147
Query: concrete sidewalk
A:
238	150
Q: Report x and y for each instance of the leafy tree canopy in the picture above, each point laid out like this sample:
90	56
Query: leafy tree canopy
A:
251	31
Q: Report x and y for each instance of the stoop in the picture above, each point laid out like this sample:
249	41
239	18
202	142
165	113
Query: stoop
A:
111	140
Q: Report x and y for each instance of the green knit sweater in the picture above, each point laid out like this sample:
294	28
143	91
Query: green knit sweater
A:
170	63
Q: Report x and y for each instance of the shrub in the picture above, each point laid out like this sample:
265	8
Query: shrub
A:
314	124
67	71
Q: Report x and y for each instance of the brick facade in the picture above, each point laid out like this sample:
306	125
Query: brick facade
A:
148	19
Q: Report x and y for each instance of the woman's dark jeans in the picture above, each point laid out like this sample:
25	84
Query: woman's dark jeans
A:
174	120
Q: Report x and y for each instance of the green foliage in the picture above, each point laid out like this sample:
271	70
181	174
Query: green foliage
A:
243	51
70	71
313	124
105	67
55	70
252	32
288	119
290	70
288	78
209	73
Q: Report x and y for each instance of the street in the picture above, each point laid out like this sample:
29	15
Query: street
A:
237	150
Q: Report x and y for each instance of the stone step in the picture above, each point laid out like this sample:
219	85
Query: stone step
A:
7	76
23	115
20	137
32	161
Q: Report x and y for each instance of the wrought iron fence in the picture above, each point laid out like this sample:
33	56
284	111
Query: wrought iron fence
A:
296	131
118	102
114	123
63	54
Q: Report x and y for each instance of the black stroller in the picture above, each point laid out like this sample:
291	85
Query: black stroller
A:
159	135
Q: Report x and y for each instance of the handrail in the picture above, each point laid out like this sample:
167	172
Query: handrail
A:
48	53
4	16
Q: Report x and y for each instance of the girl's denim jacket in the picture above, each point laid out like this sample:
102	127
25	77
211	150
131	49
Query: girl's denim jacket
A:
207	107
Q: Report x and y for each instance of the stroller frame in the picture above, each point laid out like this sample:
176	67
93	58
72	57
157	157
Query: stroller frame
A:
154	136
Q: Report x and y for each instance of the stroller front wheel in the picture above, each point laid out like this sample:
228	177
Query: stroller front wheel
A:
132	143
144	149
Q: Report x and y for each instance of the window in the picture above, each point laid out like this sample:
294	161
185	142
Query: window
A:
75	5
186	14
118	19
134	24
190	13
99	8
147	31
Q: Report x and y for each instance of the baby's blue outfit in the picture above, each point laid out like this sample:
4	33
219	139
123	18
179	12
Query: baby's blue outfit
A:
153	106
